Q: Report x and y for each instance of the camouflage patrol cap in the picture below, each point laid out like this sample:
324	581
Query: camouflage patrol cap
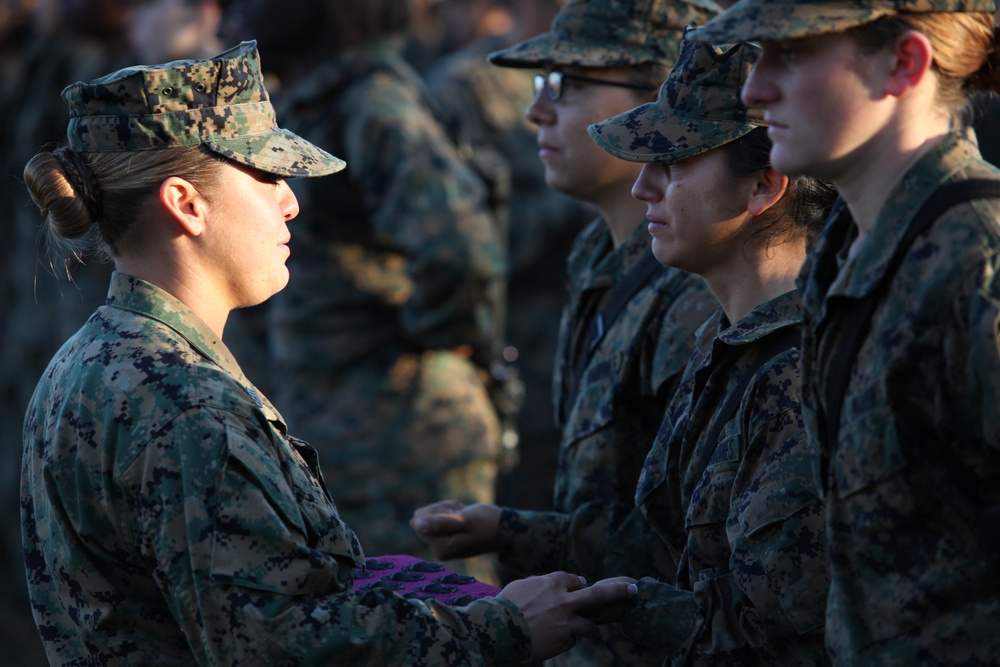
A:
698	108
610	33
767	20
219	102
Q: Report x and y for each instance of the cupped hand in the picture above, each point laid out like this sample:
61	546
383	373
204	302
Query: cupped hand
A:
454	530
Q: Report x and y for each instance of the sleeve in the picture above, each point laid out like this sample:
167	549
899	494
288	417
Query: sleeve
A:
772	596
597	540
255	564
426	202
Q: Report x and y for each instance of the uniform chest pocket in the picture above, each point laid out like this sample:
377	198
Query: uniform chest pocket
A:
867	452
324	528
594	402
711	498
274	529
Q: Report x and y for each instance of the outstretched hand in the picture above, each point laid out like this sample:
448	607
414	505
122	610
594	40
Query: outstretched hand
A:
559	607
611	611
454	530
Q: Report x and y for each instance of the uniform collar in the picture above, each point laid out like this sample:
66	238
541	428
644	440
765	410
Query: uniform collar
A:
143	298
782	311
608	264
864	270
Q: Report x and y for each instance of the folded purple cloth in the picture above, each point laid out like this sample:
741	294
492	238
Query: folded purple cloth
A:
415	578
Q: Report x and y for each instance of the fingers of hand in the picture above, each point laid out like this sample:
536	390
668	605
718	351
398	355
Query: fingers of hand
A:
601	594
566	581
438	524
441	506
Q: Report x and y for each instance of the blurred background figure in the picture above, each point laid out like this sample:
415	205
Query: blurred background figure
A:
48	44
383	341
15	28
465	21
483	107
163	30
423	41
439	27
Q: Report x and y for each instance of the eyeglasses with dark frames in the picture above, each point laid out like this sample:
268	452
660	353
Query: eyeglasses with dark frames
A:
553	83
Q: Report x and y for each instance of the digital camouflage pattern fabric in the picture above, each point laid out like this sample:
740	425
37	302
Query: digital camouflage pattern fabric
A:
698	108
741	514
610	33
219	102
769	20
382	339
913	482
608	416
169	519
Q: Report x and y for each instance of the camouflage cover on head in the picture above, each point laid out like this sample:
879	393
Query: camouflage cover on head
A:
610	33
220	102
698	107
765	20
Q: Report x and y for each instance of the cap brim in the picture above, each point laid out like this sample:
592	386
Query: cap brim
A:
748	21
278	152
647	134
550	49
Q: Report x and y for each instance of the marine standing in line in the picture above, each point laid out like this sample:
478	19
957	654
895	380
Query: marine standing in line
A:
901	364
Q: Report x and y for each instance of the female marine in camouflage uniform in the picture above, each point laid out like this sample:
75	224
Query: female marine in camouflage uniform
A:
168	518
900	356
728	482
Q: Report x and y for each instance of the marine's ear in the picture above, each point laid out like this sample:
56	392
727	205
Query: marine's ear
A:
769	188
912	58
184	204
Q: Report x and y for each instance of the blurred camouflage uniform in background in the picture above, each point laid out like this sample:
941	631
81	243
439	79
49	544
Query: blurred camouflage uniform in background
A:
437	28
483	106
65	42
382	342
612	379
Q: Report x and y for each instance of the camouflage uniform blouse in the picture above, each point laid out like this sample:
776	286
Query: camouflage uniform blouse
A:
741	514
168	519
609	421
396	264
913	483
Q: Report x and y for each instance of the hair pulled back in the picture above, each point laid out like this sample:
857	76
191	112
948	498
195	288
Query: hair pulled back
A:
97	201
807	201
965	54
